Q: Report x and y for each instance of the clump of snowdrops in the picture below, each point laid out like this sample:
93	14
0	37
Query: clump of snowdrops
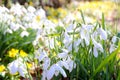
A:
36	48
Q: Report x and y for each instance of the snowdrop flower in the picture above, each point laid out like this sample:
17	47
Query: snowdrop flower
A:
24	33
51	43
49	26
8	31
40	55
31	9
76	44
55	69
38	36
97	46
67	63
63	63
70	63
3	9
14	26
29	17
63	54
103	33
69	18
114	39
17	66
85	33
41	13
46	63
67	41
71	27
16	9
112	48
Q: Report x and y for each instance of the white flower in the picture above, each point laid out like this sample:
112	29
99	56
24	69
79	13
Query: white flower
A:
71	27
70	63
46	63
16	10
17	66
51	43
95	51
3	9
63	54
40	55
69	18
112	48
55	69
114	39
85	33
31	9
41	13
76	44
24	33
103	33
63	63
8	31
67	40
97	46
14	26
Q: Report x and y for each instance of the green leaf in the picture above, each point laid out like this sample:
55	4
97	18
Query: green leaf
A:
82	67
103	21
82	17
106	60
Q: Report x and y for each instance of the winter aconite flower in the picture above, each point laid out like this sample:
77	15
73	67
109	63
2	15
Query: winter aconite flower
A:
2	68
22	53
13	52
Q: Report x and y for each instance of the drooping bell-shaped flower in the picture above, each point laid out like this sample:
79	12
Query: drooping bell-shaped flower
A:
54	70
97	46
85	33
113	46
24	33
114	39
18	66
40	55
63	54
103	33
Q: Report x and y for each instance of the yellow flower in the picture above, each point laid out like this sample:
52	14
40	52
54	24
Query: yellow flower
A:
59	43
31	3
15	74
29	65
2	68
54	54
13	52
22	53
38	18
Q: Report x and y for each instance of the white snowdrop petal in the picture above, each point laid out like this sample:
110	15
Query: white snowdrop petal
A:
51	72
95	52
114	39
61	70
24	33
102	33
112	48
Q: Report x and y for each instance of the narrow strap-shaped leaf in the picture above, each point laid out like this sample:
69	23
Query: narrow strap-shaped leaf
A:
106	60
103	21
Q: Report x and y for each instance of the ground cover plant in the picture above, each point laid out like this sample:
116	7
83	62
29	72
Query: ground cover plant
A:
35	48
